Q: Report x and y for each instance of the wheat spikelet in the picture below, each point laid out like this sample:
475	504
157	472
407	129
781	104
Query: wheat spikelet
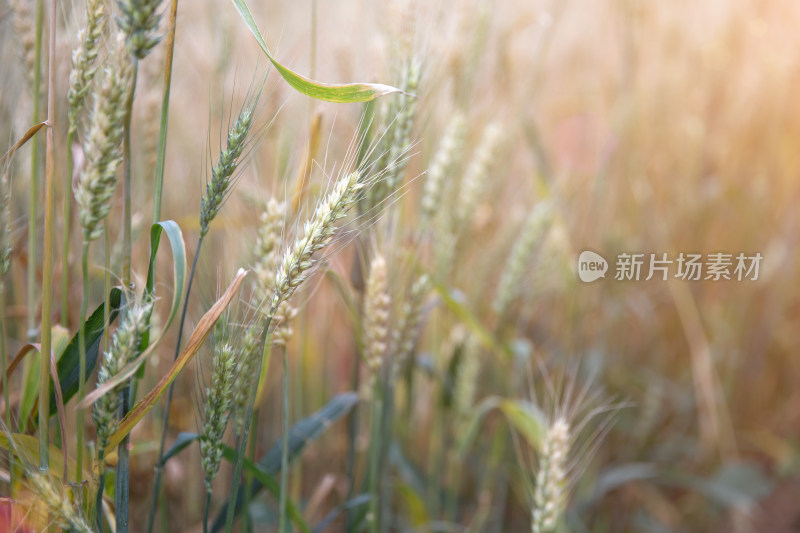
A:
139	22
443	163
268	243
58	504
296	263
5	223
467	377
124	348
518	260
218	404
551	479
223	173
246	369
84	59
26	32
404	336
377	306
103	147
475	177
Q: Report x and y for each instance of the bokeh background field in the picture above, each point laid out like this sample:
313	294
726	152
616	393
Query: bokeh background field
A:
650	127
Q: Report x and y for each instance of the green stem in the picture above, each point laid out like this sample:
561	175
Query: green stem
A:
106	286
162	131
248	483
126	181
7	401
165	421
65	237
207	507
101	486
122	494
374	458
121	498
82	356
47	256
282	522
241	445
33	199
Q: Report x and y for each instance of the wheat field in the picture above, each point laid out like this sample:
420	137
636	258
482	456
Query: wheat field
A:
399	266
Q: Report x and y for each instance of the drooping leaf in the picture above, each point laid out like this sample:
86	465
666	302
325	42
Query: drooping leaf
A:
178	245
460	310
300	434
26	449
346	93
21	142
523	416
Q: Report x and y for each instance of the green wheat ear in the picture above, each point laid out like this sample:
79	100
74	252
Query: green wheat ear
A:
218	404
223	173
103	146
139	22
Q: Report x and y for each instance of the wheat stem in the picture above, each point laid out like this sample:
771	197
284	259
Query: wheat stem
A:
47	257
33	199
82	355
65	236
6	398
162	130
282	522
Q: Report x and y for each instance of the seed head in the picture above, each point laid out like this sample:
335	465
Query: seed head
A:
441	168
103	147
377	306
58	504
515	268
551	479
318	232
139	22
84	59
222	174
218	404
476	175
124	348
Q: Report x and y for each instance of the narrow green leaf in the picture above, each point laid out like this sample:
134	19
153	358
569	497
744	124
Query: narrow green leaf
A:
300	434
270	484
68	365
468	318
181	443
353	503
175	236
346	93
527	419
523	416
185	439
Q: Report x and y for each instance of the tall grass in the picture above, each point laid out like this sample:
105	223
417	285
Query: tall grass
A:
409	265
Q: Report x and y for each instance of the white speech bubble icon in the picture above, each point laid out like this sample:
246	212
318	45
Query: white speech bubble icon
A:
591	266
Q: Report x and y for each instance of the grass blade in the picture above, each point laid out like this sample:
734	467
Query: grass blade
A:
68	364
346	93
185	439
300	434
21	142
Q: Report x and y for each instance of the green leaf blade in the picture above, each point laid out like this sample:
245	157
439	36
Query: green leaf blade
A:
337	93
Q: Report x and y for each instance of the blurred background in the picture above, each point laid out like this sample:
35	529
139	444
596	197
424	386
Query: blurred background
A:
648	127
